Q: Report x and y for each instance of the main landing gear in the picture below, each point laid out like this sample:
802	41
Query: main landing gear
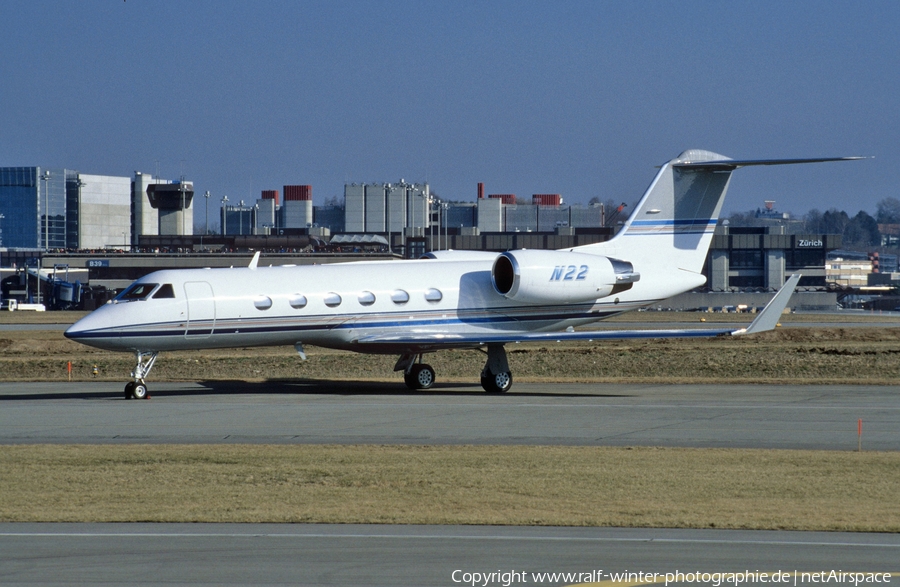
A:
495	377
416	374
137	389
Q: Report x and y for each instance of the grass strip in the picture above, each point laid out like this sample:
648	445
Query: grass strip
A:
514	485
860	355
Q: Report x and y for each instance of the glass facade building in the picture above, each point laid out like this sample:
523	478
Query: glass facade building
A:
238	220
55	208
33	201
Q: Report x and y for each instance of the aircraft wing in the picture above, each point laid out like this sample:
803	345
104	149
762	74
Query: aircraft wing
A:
425	341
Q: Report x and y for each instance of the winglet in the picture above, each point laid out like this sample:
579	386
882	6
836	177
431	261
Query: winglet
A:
768	318
255	261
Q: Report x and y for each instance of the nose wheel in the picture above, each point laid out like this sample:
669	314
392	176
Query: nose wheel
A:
137	389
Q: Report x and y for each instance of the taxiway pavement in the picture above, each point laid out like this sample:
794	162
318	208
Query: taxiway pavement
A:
275	554
735	416
764	416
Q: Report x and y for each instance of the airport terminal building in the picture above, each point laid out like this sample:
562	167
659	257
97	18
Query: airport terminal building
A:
763	258
56	208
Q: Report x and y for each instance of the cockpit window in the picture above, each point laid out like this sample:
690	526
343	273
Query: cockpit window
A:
165	291
137	291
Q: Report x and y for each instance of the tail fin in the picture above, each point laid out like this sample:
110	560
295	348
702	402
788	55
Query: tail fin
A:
671	228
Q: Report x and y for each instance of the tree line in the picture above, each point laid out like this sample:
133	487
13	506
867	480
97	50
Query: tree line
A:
859	231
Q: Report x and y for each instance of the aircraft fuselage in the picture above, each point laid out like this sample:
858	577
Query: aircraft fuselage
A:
331	306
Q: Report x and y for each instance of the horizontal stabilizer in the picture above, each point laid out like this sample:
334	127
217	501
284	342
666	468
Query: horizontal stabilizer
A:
731	164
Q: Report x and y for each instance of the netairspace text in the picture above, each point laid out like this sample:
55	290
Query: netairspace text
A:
787	578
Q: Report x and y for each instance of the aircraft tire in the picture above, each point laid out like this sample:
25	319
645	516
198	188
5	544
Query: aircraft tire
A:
139	391
496	382
425	377
419	377
129	390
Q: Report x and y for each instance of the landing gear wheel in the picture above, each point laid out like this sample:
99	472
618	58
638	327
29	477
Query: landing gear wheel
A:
420	376
496	377
139	391
496	382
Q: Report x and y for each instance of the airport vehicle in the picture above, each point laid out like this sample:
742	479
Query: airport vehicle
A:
13	305
451	299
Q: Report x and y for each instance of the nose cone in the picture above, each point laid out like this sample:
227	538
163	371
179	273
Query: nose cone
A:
83	328
95	329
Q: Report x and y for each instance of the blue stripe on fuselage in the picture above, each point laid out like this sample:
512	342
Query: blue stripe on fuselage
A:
353	321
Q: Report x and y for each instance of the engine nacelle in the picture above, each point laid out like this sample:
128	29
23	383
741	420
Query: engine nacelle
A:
559	277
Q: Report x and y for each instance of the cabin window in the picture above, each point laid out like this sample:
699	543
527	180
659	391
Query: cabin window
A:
262	302
399	296
332	300
433	295
165	291
297	301
137	291
366	298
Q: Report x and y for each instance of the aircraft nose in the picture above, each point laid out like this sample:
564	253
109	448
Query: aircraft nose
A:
75	331
97	329
82	329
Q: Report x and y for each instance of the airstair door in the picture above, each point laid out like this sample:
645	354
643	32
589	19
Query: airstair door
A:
201	306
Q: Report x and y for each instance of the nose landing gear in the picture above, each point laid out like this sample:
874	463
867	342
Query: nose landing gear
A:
137	389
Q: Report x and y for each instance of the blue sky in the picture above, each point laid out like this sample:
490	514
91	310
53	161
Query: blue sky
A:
577	98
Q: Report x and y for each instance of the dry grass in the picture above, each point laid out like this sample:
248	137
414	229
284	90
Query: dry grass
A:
595	486
797	355
572	486
41	317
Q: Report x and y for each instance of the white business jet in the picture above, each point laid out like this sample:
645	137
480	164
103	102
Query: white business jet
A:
450	299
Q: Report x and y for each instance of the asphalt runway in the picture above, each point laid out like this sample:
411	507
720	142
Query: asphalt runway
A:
734	416
766	416
274	554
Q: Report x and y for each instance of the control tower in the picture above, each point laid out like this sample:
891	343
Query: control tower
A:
173	203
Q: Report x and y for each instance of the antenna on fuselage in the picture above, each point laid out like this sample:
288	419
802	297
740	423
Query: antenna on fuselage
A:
255	261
